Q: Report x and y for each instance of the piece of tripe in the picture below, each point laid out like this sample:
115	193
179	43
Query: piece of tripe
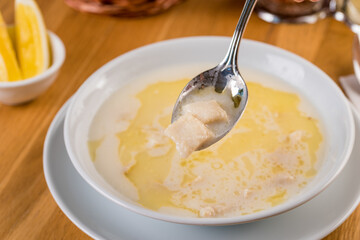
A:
206	111
188	133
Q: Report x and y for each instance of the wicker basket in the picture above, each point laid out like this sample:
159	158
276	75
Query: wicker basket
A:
126	8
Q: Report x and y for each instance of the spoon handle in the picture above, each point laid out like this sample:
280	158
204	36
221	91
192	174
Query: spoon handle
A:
231	55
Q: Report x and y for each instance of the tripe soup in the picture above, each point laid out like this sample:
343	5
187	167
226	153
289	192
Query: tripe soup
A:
270	155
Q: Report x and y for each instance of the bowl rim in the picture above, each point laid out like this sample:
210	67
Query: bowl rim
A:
286	206
55	42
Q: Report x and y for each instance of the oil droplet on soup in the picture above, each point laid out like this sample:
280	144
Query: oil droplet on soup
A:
270	155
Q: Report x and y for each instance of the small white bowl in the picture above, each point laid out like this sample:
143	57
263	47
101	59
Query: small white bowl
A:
13	93
313	84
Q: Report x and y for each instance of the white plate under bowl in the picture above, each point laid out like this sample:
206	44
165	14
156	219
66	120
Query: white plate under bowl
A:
201	53
101	218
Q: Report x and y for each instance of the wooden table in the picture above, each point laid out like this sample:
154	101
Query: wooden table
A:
27	209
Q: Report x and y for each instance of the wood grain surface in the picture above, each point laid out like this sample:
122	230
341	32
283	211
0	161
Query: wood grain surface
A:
27	209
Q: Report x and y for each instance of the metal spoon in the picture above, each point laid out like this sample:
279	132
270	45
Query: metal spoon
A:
225	78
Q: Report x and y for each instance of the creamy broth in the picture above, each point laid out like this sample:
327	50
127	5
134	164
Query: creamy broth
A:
270	155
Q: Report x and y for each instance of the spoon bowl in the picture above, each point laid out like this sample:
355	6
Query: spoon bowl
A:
226	82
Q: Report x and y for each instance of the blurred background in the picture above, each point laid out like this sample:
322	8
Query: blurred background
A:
27	208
